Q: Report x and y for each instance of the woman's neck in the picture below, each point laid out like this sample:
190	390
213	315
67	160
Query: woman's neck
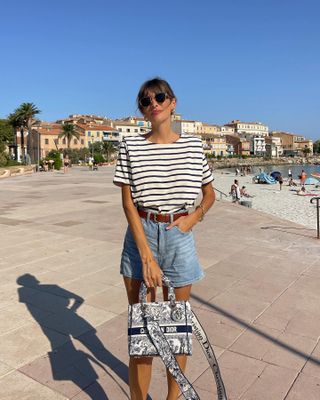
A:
162	134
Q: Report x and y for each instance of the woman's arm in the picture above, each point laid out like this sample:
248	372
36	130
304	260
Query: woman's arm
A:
188	222
152	273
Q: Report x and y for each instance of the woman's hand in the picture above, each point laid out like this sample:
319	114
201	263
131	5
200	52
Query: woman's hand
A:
152	274
184	223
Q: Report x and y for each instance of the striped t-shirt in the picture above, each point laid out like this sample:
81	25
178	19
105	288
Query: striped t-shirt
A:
163	177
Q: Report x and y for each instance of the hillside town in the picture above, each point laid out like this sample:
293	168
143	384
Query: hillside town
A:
235	138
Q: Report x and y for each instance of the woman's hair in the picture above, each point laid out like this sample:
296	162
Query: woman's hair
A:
156	85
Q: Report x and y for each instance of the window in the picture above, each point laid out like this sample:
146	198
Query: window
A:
82	141
75	141
89	133
46	141
120	129
98	134
89	141
128	129
136	130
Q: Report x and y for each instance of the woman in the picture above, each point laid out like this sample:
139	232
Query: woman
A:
66	163
161	175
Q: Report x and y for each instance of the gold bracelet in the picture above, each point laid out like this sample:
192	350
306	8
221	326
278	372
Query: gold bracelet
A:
202	211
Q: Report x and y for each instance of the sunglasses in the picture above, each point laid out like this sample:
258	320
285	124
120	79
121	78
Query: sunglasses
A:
159	98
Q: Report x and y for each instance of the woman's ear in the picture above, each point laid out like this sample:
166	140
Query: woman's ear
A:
173	105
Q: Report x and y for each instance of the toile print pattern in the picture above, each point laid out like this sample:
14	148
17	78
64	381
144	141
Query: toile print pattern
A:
169	360
171	318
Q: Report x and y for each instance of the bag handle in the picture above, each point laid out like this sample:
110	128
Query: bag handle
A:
166	281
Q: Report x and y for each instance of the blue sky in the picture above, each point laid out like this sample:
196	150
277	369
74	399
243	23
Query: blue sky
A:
254	60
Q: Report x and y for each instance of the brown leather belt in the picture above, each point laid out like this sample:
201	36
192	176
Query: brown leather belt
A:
161	217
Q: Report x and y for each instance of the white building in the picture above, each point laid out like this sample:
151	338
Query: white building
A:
187	126
227	130
128	129
250	128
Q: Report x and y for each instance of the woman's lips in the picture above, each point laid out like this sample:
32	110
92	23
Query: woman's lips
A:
155	112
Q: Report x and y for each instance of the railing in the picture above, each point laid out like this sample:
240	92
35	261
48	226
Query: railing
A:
317	200
221	193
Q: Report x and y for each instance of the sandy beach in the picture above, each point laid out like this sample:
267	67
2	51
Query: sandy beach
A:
285	204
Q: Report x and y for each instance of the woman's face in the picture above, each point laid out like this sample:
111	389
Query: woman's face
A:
158	112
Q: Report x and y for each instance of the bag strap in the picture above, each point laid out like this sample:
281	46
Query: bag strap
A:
161	344
163	347
200	334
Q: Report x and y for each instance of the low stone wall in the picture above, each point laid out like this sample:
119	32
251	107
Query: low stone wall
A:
17	171
259	161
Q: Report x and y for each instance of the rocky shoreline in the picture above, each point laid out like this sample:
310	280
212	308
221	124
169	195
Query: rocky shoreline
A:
259	161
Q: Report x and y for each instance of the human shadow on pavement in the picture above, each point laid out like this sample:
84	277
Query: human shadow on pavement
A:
67	362
251	328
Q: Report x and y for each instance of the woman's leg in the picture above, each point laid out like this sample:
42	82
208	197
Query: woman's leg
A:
182	293
139	367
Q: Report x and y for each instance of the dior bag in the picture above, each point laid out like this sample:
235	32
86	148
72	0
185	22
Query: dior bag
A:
165	329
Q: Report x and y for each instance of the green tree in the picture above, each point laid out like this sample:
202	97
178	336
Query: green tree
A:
23	118
69	132
306	151
316	146
6	131
109	149
6	137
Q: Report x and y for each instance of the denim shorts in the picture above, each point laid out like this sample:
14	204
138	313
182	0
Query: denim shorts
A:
173	250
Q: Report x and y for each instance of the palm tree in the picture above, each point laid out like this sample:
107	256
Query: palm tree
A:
68	132
23	118
109	149
306	151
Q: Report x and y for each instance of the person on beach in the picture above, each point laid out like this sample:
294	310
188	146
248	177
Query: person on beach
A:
280	180
160	174
289	173
301	191
303	177
235	191
291	182
66	163
244	192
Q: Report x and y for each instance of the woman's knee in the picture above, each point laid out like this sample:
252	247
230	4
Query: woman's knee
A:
141	361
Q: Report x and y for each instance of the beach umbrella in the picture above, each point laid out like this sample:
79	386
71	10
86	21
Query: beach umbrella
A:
264	178
275	174
311	181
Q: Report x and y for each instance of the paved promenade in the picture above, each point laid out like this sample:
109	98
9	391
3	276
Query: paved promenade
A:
63	305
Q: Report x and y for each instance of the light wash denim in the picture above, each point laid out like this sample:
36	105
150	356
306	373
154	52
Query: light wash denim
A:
173	250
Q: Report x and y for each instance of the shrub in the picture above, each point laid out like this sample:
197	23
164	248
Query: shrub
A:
56	156
98	158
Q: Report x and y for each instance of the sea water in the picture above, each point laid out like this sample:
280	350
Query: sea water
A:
295	169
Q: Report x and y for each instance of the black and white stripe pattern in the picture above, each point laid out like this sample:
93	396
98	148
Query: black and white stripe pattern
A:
163	177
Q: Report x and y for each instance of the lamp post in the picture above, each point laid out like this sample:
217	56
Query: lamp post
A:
38	151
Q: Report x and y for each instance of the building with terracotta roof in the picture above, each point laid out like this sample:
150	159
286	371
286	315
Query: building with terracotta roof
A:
239	145
293	144
98	132
45	137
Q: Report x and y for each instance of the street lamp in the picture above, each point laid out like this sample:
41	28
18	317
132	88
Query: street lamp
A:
38	151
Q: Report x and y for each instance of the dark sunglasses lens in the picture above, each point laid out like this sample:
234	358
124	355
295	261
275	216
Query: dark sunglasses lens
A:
160	97
145	101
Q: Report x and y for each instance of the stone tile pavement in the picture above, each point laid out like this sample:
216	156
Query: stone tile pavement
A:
63	306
